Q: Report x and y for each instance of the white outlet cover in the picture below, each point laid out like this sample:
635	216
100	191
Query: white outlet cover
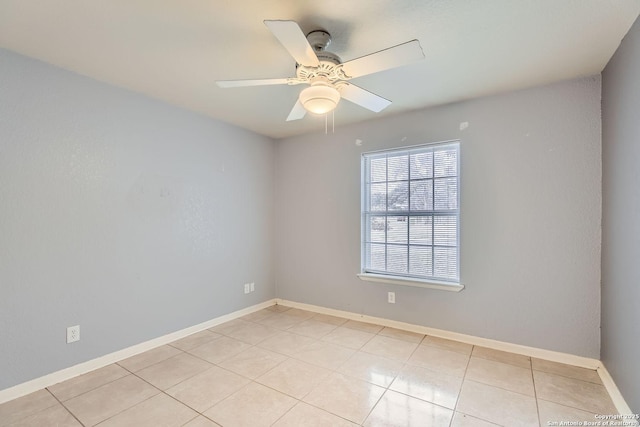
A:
247	288
391	297
73	334
253	286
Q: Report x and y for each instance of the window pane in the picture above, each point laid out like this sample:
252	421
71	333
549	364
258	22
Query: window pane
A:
422	195
398	197
446	162
421	165
376	255
397	229
378	169
398	168
446	263
377	230
397	259
378	197
410	212
446	193
420	230
420	261
445	230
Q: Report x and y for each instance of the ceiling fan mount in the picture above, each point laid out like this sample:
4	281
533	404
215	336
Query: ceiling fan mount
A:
319	40
325	73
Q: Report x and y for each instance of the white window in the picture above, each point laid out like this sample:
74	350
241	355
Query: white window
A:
410	213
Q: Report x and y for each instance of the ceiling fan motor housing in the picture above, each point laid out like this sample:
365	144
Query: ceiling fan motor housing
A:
329	61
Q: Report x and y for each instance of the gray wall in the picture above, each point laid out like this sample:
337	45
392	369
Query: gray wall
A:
134	218
530	212
127	216
620	217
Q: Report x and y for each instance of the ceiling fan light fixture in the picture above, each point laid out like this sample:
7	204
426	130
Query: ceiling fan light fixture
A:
326	74
319	98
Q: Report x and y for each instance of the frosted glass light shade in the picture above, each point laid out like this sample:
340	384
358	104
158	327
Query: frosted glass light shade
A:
319	98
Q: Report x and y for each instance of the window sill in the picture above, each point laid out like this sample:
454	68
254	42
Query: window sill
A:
430	284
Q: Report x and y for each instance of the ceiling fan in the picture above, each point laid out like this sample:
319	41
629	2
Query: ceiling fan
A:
324	72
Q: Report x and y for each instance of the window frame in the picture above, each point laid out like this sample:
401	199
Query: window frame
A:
407	279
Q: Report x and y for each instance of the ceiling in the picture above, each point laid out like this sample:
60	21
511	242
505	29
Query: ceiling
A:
176	50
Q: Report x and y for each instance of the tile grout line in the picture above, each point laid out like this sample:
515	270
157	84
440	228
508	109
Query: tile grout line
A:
374	406
135	404
65	407
568	377
388	387
464	376
152	364
92	389
172	397
333	371
102	385
404	363
253	380
535	395
163	391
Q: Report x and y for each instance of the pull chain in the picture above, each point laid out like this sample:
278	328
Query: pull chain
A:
333	122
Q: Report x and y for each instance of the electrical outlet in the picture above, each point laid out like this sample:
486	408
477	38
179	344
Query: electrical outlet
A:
247	288
253	286
73	334
391	297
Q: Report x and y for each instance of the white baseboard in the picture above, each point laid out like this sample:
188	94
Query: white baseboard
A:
555	356
614	392
102	361
82	368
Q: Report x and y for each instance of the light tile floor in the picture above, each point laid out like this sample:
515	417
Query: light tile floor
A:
289	367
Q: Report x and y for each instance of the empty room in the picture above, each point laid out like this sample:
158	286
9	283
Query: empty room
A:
337	213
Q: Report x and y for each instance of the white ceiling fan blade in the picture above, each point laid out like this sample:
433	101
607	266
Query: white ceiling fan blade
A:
258	82
294	40
363	97
297	112
396	56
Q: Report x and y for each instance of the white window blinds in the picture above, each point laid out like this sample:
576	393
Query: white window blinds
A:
410	212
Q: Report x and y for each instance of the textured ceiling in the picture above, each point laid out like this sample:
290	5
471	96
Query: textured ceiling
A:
176	50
